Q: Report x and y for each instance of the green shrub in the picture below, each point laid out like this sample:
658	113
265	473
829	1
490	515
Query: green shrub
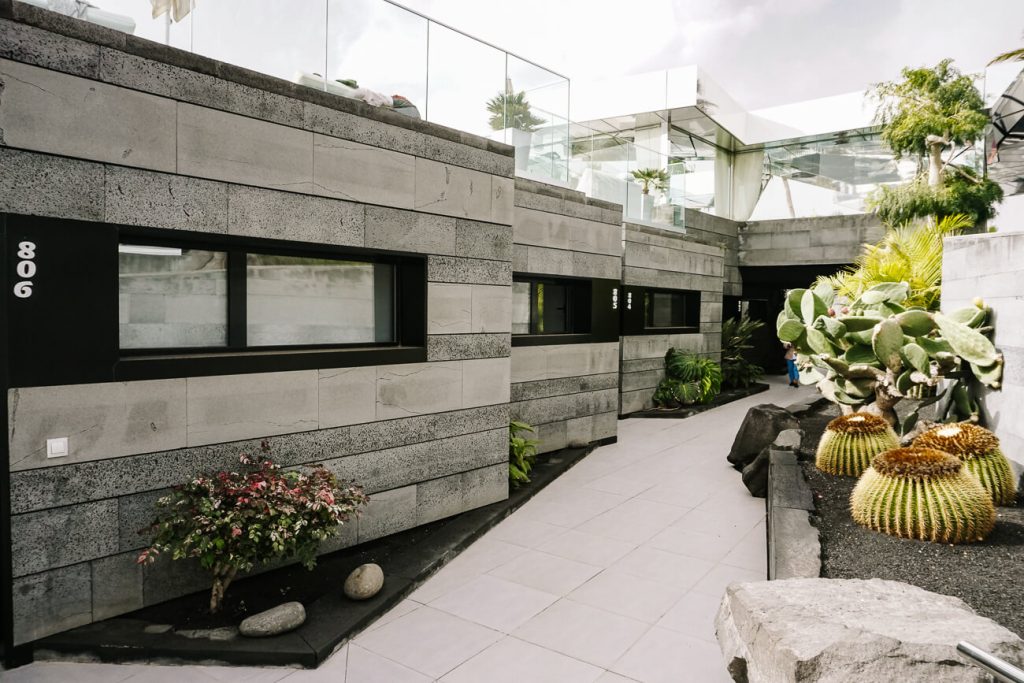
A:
688	379
737	371
522	452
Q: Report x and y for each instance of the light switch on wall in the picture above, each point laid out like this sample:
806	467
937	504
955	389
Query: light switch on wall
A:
57	448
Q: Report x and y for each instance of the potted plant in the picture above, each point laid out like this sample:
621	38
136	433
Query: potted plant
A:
513	122
649	178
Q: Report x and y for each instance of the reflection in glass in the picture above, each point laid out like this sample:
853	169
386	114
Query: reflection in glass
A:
296	301
171	298
665	309
520	308
465	75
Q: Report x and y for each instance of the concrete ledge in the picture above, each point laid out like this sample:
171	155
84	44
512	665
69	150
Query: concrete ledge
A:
794	550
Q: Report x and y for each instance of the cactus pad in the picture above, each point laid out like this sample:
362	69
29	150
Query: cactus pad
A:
851	442
978	449
925	494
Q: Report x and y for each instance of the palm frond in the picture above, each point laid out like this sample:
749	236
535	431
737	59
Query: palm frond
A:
1011	56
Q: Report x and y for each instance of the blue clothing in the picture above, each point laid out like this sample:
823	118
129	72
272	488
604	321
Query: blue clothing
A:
794	374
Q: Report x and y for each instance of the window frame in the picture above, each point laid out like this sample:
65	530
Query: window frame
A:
408	299
603	314
635	316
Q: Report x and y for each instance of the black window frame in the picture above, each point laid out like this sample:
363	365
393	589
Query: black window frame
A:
635	318
68	328
598	310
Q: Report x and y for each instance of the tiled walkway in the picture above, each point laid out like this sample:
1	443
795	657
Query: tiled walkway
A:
612	573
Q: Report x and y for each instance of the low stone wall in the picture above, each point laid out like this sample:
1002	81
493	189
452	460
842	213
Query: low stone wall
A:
991	266
807	241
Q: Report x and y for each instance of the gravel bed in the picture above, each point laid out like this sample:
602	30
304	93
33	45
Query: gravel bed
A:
984	575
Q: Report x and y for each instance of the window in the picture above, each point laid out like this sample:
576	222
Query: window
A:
292	300
171	298
180	298
547	306
660	311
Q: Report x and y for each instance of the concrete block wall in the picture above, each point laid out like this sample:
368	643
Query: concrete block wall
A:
569	392
991	266
807	241
99	126
712	230
670	260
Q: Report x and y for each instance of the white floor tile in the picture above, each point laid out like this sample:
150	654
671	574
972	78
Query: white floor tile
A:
511	660
721	575
401	609
367	667
628	595
661	565
546	572
587	548
582	632
64	672
663	656
634	521
428	640
494	602
694	616
524	532
683	541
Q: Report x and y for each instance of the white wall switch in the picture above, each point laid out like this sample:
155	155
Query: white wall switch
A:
57	448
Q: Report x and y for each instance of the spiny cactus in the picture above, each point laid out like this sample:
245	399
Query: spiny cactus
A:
925	494
875	352
978	449
851	442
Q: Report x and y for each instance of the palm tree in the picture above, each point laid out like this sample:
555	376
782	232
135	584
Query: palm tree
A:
651	177
910	253
510	109
1011	56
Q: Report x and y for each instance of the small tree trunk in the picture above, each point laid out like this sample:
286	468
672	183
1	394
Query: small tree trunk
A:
935	145
222	577
884	404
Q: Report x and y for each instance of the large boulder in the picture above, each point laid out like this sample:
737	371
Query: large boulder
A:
854	631
760	427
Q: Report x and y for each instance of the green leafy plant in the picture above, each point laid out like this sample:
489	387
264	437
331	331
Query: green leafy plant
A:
651	178
877	351
925	494
910	253
851	442
522	452
961	192
737	371
688	379
233	521
978	449
511	109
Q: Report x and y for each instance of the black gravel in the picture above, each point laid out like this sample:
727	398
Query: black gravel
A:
984	575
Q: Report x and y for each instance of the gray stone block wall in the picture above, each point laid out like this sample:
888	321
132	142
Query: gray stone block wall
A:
673	260
569	392
205	147
991	266
807	241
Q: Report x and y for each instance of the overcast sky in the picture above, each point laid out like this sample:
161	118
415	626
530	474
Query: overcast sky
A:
763	52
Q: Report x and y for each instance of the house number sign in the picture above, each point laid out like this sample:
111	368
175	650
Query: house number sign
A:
26	269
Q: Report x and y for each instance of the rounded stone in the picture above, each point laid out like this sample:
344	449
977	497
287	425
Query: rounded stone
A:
280	619
364	582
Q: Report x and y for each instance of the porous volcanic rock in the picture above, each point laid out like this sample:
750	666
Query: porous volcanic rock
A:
852	630
759	429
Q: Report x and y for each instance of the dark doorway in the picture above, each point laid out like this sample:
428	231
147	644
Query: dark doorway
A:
764	291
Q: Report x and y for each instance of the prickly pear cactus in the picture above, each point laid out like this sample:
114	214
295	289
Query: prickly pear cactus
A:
978	449
872	353
851	442
925	494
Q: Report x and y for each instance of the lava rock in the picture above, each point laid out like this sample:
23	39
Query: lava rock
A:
759	429
852	630
280	619
755	475
364	582
788	440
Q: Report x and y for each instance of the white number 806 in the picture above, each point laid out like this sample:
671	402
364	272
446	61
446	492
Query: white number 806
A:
26	268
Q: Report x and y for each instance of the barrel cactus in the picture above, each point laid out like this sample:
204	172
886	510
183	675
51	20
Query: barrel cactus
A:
978	449
924	494
851	442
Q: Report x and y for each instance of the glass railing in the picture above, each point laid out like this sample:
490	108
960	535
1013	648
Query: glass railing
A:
387	55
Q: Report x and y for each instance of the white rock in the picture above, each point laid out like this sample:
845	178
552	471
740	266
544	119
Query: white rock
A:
853	631
280	619
364	582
